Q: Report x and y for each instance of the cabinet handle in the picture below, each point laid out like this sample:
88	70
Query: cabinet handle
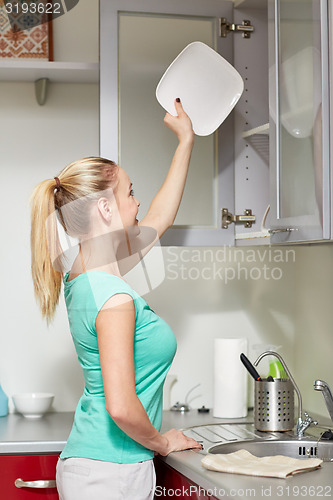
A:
48	483
282	230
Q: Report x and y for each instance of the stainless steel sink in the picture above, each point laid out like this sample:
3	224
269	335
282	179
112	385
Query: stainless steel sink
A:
289	447
227	438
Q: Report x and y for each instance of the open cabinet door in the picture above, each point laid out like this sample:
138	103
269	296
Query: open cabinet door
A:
299	121
138	41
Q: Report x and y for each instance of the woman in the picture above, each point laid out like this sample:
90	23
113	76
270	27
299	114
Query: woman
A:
124	348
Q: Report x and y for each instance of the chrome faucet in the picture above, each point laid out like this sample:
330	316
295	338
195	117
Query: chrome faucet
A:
302	425
320	385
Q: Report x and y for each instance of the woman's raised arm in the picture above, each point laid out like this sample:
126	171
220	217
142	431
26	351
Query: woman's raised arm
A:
164	207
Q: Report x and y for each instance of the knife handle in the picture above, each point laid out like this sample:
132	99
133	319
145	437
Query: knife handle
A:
250	368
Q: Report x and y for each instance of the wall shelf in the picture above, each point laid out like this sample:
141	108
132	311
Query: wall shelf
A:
59	72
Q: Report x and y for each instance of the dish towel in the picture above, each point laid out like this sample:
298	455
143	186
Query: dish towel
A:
243	462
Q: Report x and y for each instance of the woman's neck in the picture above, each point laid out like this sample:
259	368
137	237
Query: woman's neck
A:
97	254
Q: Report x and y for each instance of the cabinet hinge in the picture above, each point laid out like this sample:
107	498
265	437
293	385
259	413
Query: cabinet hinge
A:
227	218
245	28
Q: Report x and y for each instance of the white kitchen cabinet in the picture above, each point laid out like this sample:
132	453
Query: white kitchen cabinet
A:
257	157
299	121
138	42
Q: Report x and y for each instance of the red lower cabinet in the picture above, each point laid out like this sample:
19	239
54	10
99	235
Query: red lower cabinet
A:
28	477
172	484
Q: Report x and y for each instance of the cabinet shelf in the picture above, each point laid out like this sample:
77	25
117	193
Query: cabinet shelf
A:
254	4
59	72
259	138
262	130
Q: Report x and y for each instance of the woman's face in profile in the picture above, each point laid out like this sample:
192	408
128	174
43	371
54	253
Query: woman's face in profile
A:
127	204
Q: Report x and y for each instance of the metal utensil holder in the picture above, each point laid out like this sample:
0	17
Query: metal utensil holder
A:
274	405
274	401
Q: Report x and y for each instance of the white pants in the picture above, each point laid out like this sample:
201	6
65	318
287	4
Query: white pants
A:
87	479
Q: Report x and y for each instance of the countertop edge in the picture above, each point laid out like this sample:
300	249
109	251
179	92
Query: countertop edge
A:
32	447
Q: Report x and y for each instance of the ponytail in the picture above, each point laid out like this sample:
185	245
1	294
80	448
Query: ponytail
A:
47	280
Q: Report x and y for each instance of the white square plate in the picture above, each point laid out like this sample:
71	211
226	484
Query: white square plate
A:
209	87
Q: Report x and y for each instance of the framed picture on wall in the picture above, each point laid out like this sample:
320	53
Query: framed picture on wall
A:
25	30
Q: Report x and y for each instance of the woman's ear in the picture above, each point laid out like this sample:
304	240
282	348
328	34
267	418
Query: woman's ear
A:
104	208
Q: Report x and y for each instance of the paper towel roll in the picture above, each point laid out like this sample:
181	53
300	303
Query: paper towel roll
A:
230	378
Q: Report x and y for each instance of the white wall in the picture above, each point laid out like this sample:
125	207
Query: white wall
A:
36	143
290	307
240	292
313	322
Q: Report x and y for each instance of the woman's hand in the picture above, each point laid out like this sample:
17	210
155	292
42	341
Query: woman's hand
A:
177	441
181	125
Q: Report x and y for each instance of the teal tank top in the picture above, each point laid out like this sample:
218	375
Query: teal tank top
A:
94	434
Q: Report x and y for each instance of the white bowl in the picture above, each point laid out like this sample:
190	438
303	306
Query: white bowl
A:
33	404
208	86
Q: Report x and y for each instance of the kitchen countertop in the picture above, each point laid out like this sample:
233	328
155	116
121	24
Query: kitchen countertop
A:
48	434
19	435
317	483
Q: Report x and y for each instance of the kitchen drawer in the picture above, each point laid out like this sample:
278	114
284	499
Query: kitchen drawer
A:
27	468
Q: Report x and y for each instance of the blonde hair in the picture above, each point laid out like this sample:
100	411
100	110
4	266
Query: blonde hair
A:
80	181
